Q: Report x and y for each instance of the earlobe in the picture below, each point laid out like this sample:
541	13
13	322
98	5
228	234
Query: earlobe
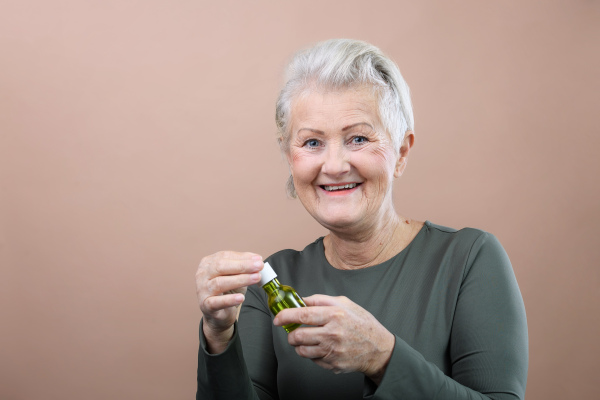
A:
400	166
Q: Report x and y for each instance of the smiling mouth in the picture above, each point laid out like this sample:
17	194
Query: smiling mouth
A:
340	187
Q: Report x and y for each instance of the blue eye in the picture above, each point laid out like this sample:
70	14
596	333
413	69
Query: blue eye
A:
312	143
359	140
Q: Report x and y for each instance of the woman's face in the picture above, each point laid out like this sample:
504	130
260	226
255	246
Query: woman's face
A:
342	161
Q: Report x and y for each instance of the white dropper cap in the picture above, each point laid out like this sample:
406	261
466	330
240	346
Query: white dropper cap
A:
267	275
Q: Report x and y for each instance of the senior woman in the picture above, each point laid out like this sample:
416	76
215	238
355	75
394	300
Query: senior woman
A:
396	308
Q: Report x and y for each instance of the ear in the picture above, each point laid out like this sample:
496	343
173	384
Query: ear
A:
407	144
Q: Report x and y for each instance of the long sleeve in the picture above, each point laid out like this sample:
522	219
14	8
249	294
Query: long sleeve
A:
247	369
223	376
488	339
450	298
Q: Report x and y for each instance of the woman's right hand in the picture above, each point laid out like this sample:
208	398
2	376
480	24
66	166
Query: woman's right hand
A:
221	282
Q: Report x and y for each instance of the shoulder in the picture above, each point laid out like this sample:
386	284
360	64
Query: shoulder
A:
474	246
465	236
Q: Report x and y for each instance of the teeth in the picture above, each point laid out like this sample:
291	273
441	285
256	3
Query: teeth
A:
348	186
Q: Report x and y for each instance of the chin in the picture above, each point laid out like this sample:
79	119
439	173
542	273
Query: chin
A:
339	222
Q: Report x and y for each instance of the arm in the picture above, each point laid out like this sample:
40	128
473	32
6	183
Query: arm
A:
236	373
223	376
488	341
222	279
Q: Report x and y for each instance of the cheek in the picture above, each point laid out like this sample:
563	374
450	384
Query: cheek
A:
296	155
378	162
303	165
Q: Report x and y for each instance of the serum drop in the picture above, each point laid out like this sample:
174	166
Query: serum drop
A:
280	296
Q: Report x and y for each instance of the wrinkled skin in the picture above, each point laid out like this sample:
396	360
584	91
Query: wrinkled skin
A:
336	139
221	283
342	337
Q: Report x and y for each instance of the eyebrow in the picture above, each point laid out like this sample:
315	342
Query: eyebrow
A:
354	125
343	129
312	130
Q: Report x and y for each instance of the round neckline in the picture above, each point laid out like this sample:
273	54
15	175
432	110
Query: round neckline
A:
425	227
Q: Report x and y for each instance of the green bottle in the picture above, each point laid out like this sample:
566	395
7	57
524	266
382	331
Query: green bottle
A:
280	296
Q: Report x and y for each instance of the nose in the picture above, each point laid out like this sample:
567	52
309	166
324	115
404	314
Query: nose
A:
336	162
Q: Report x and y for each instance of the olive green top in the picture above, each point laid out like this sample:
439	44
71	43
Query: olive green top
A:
450	298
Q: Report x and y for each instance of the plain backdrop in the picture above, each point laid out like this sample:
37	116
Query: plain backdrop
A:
137	137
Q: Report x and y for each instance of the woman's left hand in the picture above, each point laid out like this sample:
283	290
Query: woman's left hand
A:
343	337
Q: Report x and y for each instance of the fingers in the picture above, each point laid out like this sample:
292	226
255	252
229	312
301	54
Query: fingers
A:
308	342
321	309
315	316
312	352
224	284
227	270
343	337
305	336
235	255
221	281
213	304
231	263
314	344
323	300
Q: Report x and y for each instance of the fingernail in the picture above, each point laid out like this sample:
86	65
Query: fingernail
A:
257	257
255	277
257	263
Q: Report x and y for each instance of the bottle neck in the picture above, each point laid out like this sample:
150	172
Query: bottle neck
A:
271	286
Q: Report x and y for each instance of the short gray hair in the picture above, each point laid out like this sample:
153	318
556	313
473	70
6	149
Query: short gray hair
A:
344	64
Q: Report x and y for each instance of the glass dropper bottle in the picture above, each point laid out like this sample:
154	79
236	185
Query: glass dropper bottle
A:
279	296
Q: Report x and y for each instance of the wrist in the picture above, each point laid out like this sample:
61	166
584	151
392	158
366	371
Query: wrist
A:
379	366
217	340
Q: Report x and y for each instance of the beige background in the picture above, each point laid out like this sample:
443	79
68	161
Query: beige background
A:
138	136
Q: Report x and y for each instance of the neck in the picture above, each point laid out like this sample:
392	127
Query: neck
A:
372	245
